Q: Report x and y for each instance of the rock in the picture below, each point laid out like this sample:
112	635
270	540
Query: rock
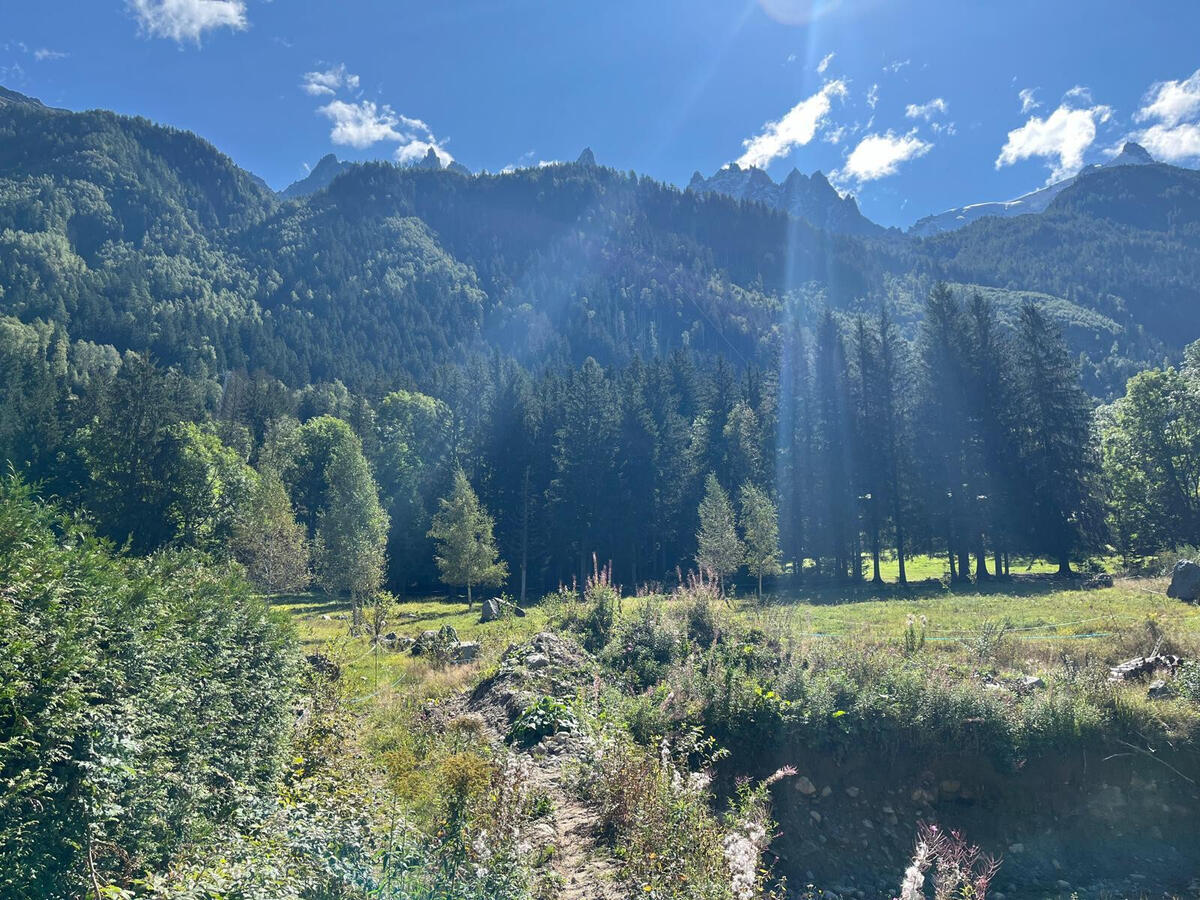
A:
826	791
537	660
852	791
425	640
805	786
464	651
1094	582
1160	690
815	816
1185	581
1032	683
490	610
1016	848
950	787
1063	885
1143	665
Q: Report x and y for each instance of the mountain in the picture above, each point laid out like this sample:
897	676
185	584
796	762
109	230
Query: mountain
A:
810	198
1034	202
133	236
328	167
12	98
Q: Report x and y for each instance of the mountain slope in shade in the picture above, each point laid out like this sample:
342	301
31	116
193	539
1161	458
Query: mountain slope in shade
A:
327	168
1034	202
330	167
811	198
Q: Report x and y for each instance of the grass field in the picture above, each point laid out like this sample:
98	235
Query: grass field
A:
1044	613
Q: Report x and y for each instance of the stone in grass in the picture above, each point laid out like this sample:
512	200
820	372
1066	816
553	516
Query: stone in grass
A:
464	651
1185	581
490	610
1160	690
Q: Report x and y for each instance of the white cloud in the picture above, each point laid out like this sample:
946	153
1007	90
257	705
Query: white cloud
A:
416	150
1028	103
926	111
872	95
897	65
329	82
1172	102
1079	94
1172	143
1172	109
186	20
879	155
835	135
43	54
797	127
1061	137
364	123
361	124
824	63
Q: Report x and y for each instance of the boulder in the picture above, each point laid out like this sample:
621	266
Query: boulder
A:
424	642
805	786
490	610
1159	690
1185	581
464	651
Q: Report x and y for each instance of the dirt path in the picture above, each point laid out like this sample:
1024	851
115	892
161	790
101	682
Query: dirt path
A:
580	866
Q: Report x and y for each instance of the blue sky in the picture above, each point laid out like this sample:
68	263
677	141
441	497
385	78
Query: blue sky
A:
914	106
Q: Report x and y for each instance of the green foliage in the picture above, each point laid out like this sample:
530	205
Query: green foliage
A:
351	537
544	717
760	531
642	649
466	550
1150	442
719	549
141	696
269	541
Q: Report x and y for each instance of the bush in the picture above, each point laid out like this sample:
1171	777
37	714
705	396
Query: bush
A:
139	699
542	718
643	649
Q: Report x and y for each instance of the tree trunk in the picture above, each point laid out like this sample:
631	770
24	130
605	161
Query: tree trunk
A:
900	553
760	587
997	562
470	603
876	576
524	533
1064	565
981	571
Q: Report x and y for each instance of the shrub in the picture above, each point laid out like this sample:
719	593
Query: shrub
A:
140	698
643	649
542	718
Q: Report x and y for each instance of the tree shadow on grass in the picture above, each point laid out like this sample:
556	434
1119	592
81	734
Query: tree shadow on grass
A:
832	593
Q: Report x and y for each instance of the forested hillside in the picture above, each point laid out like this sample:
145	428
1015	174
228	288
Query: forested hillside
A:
149	239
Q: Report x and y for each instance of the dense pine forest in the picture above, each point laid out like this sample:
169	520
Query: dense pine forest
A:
565	381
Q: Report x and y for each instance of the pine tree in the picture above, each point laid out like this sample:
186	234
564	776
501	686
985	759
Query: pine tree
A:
466	550
760	530
720	551
1059	461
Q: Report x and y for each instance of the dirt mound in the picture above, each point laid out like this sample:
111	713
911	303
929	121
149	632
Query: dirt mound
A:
546	666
